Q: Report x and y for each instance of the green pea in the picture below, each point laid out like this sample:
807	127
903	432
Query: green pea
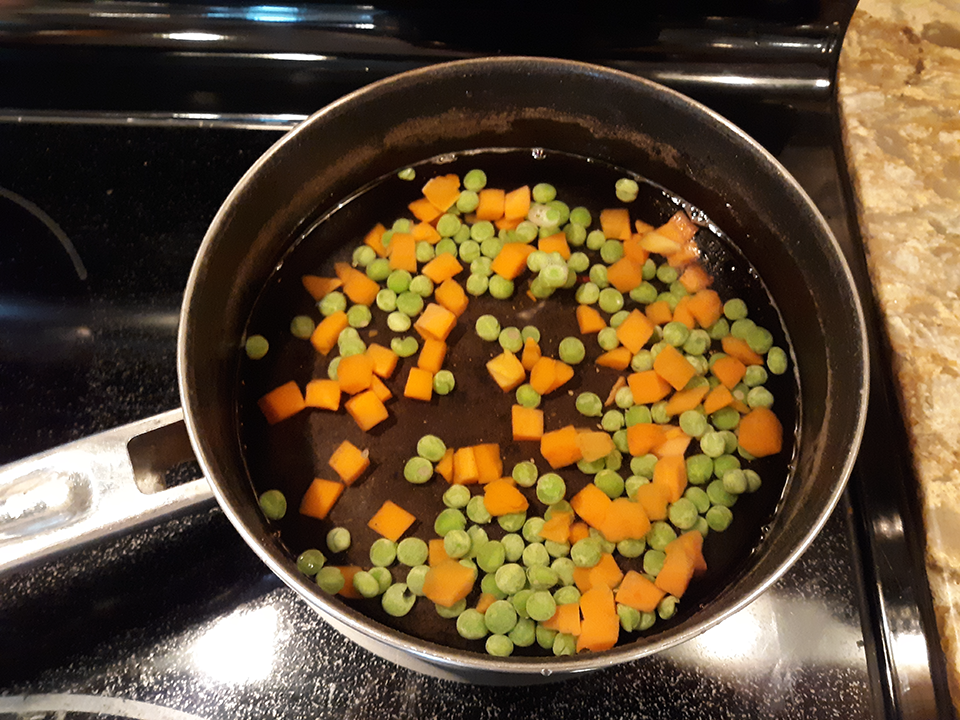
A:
500	287
693	423
612	421
699	498
527	396
499	646
660	535
310	561
452	611
378	270
407	174
421	285
256	347
447	246
719	518
760	340
500	617
759	397
525	473
383	576
645	293
653	561
471	625
719	496
405	346
424	252
777	360
627	189
418	470
629	617
551	488
478	538
338	539
589	404
273	504
675	333
631	547
723	463
712	444
477	510
398	600
535	554
332	302
571	350
554	276
643	465
412	551
607	339
742	328
754	375
725	418
611	251
488	327
416	577
491	556
585	552
510	578
616	320
524	633
447	225
667	607
587	294
683	513
531	529
443	382
511	339
477	285
399	322
632	484
481	266
387	300
475	180
488	585
598	276
543	193
330	580
513	546
511	522
449	520
366	584
431	448
610	482
409	303
456	542
482	231
734	481
541	606
467	201
735	309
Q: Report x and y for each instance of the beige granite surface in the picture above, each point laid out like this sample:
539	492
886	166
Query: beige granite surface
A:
899	91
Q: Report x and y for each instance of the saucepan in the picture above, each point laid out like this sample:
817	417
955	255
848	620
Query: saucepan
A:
86	490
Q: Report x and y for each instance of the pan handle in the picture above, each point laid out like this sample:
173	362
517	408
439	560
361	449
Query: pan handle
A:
97	487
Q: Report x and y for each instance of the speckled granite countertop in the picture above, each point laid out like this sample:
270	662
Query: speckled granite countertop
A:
900	102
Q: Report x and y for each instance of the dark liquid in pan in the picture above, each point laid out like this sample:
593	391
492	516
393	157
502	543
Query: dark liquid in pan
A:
288	455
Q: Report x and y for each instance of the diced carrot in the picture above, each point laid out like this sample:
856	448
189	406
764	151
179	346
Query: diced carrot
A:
391	521
442	267
561	447
516	203
656	242
503	498
706	307
595	445
728	370
543	374
424	210
531	353
355	373
367	409
506	223
442	191
606	572
760	432
600	627
556	243
675	442
589	320
565	620
435	321
634	331
436	552
373	239
557	528
694	279
738	348
654	500
319	287
349	462
451	295
619	358
689	252
625	520
403	252
679	227
356	285
684	400
465	470
676	573
419	385
563	373
591	505
658	312
672	366
348	590
507	371
633	250
431	355
648	387
644	437
448	582
489	463
625	274
511	260
642	227
578	531
527	423
682	313
444	468
717	398
491	205
380	390
690	542
384	360
671	473
615	223
618	385
581	577
485	601
282	402
323	393
320	498
425	232
325	334
638	592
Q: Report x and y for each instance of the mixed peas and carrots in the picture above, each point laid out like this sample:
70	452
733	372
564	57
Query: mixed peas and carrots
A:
660	460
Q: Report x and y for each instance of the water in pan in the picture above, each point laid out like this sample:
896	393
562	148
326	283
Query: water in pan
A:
290	454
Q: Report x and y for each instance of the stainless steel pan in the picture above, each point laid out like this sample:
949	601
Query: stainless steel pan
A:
502	102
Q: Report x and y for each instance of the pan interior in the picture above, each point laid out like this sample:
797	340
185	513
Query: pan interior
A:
290	454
